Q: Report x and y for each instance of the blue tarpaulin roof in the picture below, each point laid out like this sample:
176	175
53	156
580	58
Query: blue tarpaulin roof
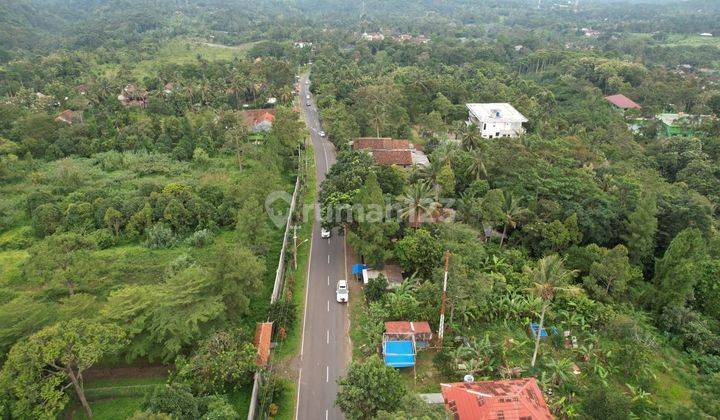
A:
358	268
399	354
534	330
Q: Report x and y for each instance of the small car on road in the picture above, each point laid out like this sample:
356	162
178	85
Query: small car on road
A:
342	293
324	233
322	134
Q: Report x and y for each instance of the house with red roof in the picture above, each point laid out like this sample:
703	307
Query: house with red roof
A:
387	151
69	117
418	330
511	399
622	102
258	120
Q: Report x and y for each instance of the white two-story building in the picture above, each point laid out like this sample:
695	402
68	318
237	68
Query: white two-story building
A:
496	120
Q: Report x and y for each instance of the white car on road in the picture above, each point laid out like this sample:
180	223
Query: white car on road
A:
322	134
324	233
342	293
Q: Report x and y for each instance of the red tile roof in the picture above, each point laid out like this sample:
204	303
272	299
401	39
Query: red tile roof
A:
407	327
263	336
253	117
69	116
393	157
622	101
383	143
513	399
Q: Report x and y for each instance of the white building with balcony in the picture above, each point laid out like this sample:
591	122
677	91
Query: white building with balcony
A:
496	120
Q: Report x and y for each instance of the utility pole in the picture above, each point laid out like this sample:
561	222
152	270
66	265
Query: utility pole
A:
295	246
441	328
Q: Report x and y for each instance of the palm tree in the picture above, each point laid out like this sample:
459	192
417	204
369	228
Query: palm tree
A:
445	152
417	201
431	174
511	212
469	137
476	168
549	278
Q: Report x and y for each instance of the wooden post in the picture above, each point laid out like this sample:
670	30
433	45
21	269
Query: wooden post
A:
441	328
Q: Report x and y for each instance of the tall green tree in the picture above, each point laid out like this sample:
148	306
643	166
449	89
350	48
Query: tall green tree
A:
679	269
368	387
640	230
371	234
39	369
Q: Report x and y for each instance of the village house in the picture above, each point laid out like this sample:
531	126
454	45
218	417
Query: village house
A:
133	96
374	36
387	151
418	330
496	120
512	399
391	272
302	44
622	102
258	120
69	117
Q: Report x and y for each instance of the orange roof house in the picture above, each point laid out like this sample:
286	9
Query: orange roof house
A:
393	157
622	102
69	117
512	399
263	338
387	151
380	143
258	119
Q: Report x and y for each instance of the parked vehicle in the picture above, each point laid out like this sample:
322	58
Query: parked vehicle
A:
324	233
342	293
322	134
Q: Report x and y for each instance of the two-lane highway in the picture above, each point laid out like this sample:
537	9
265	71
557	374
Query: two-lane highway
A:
324	351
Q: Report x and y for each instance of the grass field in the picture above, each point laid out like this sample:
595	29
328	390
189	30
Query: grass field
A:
692	40
181	51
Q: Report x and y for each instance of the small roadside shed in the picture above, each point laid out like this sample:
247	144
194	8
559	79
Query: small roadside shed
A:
419	331
392	272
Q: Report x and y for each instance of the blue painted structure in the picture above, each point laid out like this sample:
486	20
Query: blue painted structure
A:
399	354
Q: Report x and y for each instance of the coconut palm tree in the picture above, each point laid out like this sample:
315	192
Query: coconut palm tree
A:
431	174
415	203
476	169
511	212
469	136
550	278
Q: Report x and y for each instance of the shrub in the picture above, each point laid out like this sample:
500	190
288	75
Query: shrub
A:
46	219
104	238
159	237
271	393
376	288
174	399
201	238
282	313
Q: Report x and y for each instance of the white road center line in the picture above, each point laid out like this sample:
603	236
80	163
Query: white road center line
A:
327	373
327	336
328	306
328	258
328	280
326	415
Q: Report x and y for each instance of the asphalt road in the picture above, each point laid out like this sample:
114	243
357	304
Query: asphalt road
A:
324	351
